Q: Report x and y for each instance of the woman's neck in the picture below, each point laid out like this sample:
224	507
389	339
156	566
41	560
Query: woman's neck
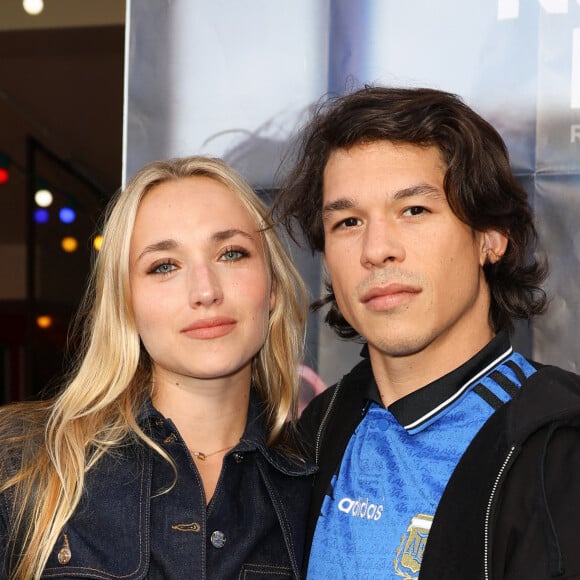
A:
210	419
208	414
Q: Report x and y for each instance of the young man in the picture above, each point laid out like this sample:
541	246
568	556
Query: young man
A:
442	431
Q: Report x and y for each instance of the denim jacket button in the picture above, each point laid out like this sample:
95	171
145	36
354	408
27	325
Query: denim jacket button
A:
171	438
218	539
238	457
64	554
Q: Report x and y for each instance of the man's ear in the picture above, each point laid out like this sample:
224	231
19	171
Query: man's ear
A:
493	246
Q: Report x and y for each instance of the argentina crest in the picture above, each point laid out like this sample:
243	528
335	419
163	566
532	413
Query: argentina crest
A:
409	555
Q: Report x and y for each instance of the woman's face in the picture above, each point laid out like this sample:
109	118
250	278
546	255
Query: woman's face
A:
200	286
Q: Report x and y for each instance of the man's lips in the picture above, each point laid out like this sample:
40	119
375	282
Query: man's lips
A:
210	327
389	296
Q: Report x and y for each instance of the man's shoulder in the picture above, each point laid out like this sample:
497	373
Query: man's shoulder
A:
336	403
556	376
516	436
348	386
550	394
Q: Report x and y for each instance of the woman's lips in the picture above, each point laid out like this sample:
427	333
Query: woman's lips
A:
210	328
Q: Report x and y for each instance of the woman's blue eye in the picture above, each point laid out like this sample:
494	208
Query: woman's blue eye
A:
164	268
230	255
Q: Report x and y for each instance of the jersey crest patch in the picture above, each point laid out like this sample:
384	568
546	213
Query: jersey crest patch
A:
409	555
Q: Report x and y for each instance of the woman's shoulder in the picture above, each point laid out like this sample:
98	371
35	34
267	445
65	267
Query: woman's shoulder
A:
22	428
23	419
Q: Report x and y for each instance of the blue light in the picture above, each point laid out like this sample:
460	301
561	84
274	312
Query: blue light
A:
41	215
67	215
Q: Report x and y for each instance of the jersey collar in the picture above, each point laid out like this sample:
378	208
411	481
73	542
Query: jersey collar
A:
424	404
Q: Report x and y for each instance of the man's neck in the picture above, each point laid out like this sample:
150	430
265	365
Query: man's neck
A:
398	376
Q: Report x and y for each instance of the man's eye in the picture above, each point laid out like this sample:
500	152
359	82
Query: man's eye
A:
415	210
350	222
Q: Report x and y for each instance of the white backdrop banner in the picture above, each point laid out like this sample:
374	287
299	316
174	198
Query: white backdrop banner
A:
236	79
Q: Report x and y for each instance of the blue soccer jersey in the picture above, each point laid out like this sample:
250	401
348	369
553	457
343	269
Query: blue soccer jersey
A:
375	521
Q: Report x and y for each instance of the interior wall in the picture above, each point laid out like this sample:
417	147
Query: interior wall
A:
63	88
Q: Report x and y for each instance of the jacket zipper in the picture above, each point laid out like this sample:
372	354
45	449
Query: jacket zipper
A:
488	512
324	421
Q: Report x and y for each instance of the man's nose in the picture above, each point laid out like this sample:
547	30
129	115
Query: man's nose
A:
381	244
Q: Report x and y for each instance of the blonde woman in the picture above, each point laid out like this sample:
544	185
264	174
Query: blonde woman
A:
165	455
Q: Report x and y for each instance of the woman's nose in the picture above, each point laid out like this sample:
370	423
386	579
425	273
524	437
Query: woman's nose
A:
205	288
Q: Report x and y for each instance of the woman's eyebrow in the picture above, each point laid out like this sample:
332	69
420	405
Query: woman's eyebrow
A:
227	234
160	246
170	244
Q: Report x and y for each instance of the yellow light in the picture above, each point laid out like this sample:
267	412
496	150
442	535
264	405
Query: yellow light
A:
43	198
33	7
44	321
98	242
69	244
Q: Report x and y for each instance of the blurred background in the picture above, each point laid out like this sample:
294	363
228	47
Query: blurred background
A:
61	127
92	90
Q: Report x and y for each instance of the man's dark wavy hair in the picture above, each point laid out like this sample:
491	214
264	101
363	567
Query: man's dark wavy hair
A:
480	186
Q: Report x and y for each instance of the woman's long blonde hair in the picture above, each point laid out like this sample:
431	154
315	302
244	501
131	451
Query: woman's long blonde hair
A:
56	442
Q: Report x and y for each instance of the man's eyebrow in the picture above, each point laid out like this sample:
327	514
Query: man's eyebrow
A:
337	205
421	189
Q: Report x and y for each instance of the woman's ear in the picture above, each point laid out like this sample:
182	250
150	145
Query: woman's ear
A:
493	246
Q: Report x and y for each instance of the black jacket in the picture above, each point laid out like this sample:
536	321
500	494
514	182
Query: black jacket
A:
511	509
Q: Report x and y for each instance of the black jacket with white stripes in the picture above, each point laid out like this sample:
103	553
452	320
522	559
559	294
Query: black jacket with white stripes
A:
504	513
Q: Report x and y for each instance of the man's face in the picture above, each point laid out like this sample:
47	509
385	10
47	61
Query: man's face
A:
406	272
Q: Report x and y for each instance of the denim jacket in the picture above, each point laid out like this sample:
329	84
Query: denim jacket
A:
128	526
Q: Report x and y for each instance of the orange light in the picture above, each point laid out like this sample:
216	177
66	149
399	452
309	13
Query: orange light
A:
44	321
98	242
69	244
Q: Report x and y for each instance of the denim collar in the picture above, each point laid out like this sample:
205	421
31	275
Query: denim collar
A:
252	440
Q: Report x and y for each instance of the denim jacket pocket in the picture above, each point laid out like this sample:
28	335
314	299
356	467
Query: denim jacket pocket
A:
108	536
264	572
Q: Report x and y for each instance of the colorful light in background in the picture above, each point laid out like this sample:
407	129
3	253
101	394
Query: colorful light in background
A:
67	215
44	321
41	216
69	244
33	7
4	171
43	198
98	242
